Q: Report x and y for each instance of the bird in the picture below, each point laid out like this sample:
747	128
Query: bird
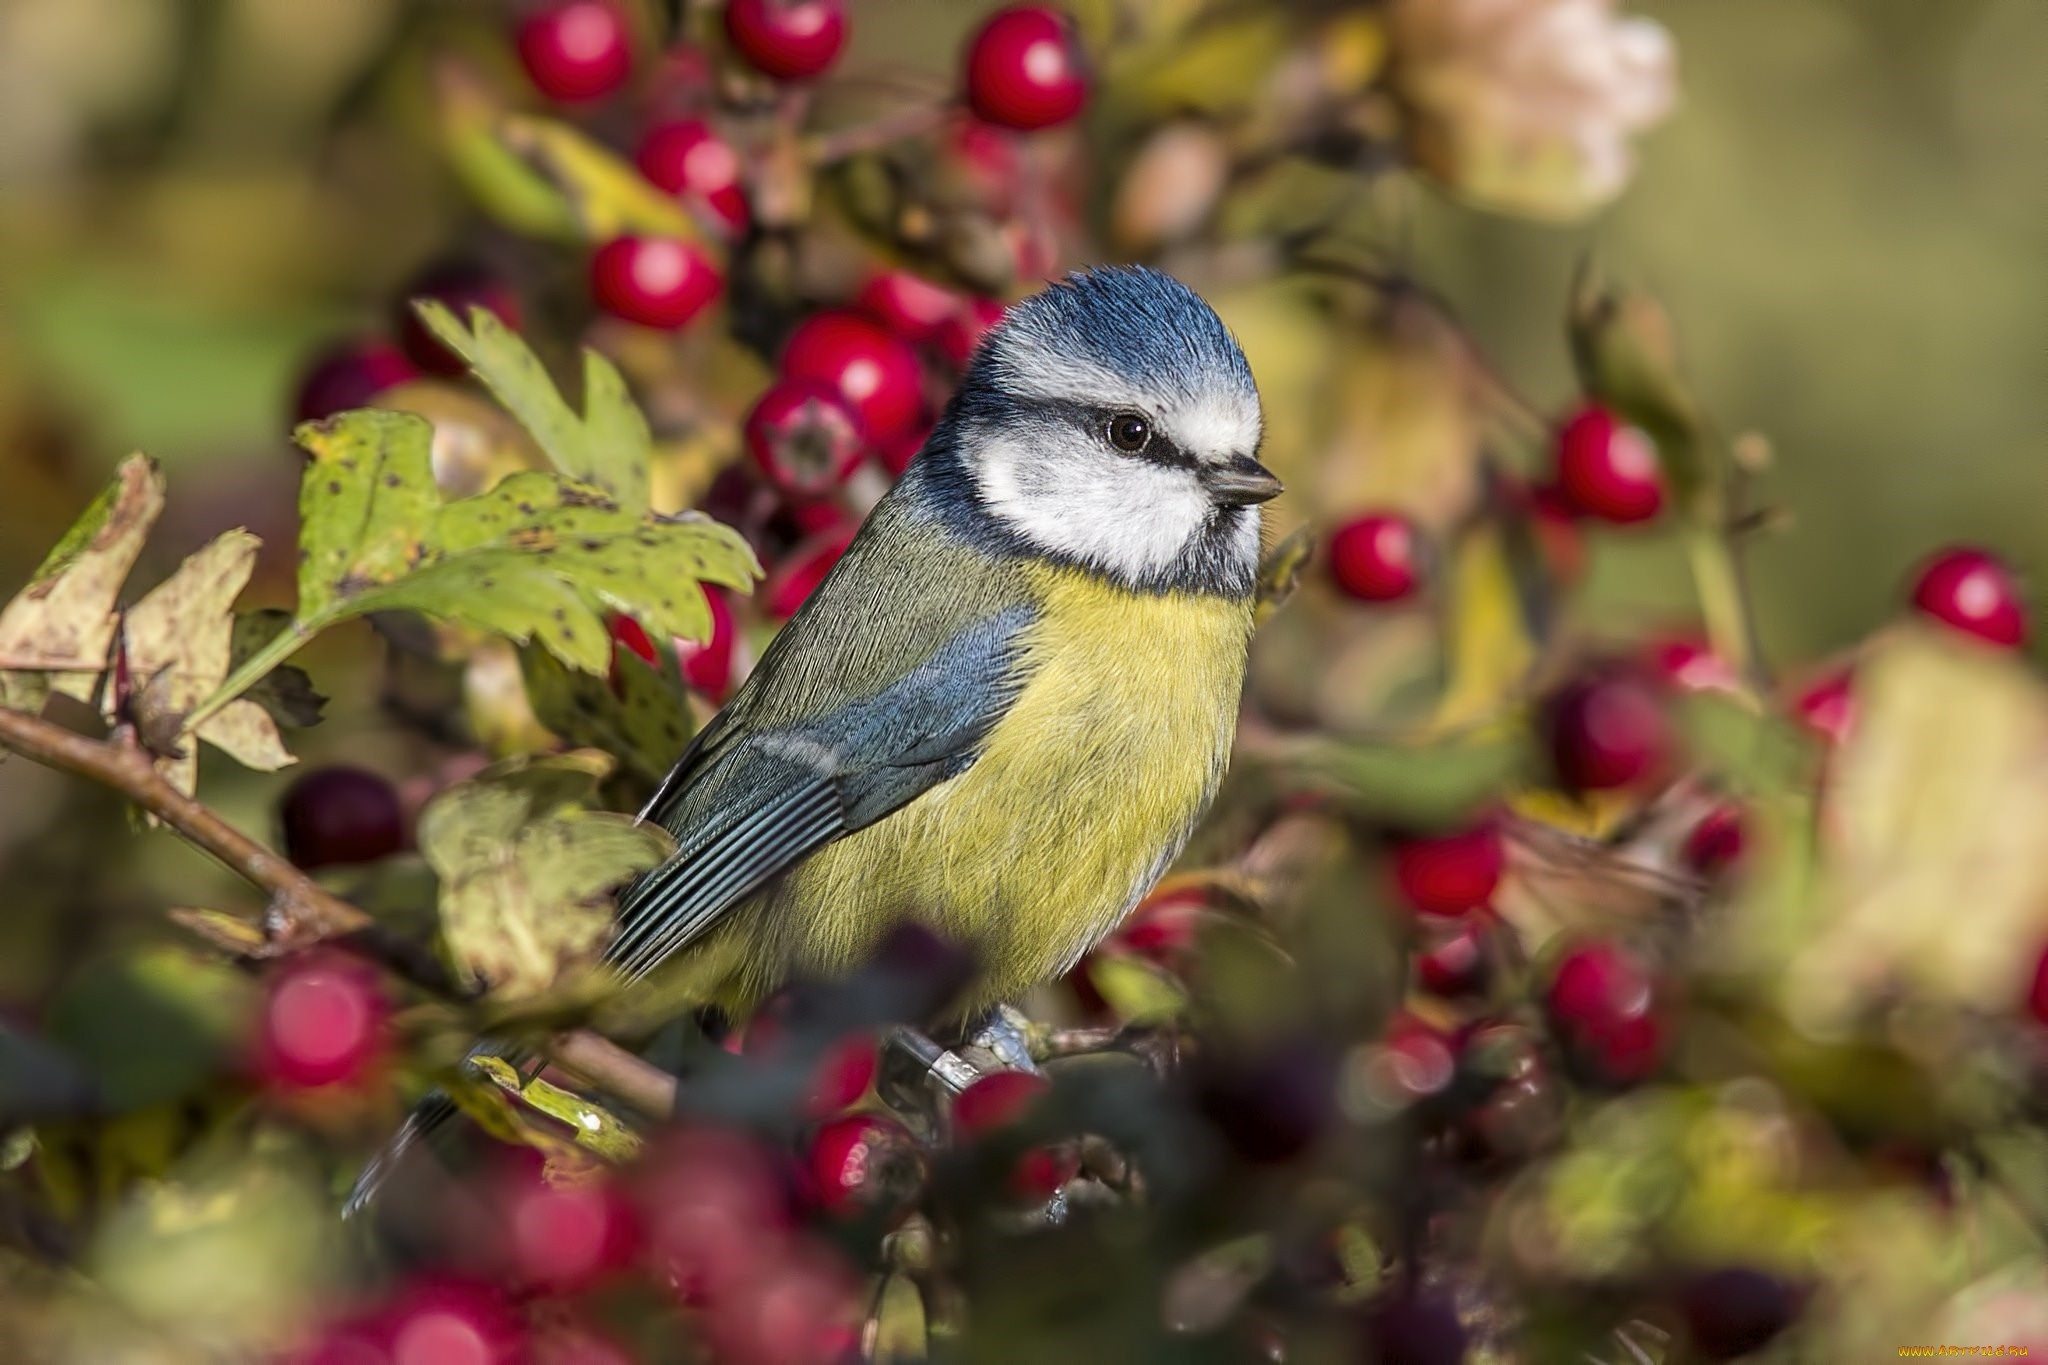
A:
1005	708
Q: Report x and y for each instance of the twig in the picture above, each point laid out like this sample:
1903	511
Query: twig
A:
826	149
302	912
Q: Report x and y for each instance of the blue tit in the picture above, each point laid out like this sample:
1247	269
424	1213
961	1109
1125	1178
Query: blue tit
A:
1005	708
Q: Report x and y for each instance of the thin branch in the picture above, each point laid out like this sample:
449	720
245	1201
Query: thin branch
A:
827	149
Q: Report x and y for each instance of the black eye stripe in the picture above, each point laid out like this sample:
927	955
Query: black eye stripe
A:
1094	421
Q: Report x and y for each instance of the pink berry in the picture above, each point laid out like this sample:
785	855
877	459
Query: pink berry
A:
1605	731
1024	69
864	1163
1450	874
567	1237
1827	706
660	282
804	438
1374	558
341	815
689	159
873	371
322	1023
909	305
1973	591
707	664
1688	663
1608	470
715	1209
801	573
1717	842
452	1322
577	51
791	40
350	375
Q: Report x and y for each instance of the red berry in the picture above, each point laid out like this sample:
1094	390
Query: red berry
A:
322	1022
1163	930
872	370
580	50
629	637
1716	843
909	305
1608	470
451	1322
715	1211
864	1163
1605	731
897	454
2037	993
997	1100
805	440
341	815
791	40
1374	558
575	1344
1688	663
803	1308
1449	874
707	664
1454	965
661	282
689	159
1600	1001
842	1075
800	574
1974	591
959	336
1736	1310
1555	524
1272	1104
460	286
349	376
1827	706
1024	69
1416	1059
564	1238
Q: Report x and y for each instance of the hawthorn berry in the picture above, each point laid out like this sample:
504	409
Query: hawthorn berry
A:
1449	874
959	336
341	815
1607	469
790	40
1376	557
1412	1327
322	1023
1688	663
1163	929
801	1308
1000	1100
908	304
1601	1003
1972	591
1455	964
1604	731
2037	992
864	1163
897	454
1272	1103
440	1321
566	1237
804	438
1827	706
350	375
707	664
874	372
1024	69
1554	522
459	286
715	1211
1731	1311
690	160
659	282
800	573
1716	843
576	51
629	637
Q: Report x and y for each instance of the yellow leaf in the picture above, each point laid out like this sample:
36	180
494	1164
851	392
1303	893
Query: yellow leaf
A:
1487	637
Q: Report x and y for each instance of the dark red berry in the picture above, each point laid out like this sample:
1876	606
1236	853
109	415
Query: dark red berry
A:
1605	731
804	438
864	1163
336	816
1414	1328
689	159
1164	929
1024	69
322	1023
1716	843
871	369
451	1322
1601	1002
350	375
707	664
1454	964
459	286
1449	874
908	304
791	40
1734	1310
996	1101
1973	591
791	585
960	335
1376	557
661	282
576	51
1607	469
2037	993
566	1237
1270	1104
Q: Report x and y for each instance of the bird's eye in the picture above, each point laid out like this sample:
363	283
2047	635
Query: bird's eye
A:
1129	432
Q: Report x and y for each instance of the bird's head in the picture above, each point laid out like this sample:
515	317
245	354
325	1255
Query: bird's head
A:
1111	422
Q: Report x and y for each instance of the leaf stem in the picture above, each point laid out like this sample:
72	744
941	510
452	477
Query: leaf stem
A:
1718	581
252	671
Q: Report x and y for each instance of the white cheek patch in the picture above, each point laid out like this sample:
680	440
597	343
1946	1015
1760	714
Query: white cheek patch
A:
1128	517
1219	427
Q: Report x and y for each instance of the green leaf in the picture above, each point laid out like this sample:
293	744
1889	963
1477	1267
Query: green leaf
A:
595	1128
525	871
1488	636
607	196
606	446
637	712
286	692
57	633
366	504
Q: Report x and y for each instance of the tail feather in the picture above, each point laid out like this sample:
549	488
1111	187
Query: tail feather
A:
433	1111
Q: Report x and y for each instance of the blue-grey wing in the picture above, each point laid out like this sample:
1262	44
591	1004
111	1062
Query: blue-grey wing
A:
746	804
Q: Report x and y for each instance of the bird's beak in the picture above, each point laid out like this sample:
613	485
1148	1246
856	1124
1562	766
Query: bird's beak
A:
1241	482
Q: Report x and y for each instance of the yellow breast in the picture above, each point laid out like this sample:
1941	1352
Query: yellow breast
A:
1083	793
